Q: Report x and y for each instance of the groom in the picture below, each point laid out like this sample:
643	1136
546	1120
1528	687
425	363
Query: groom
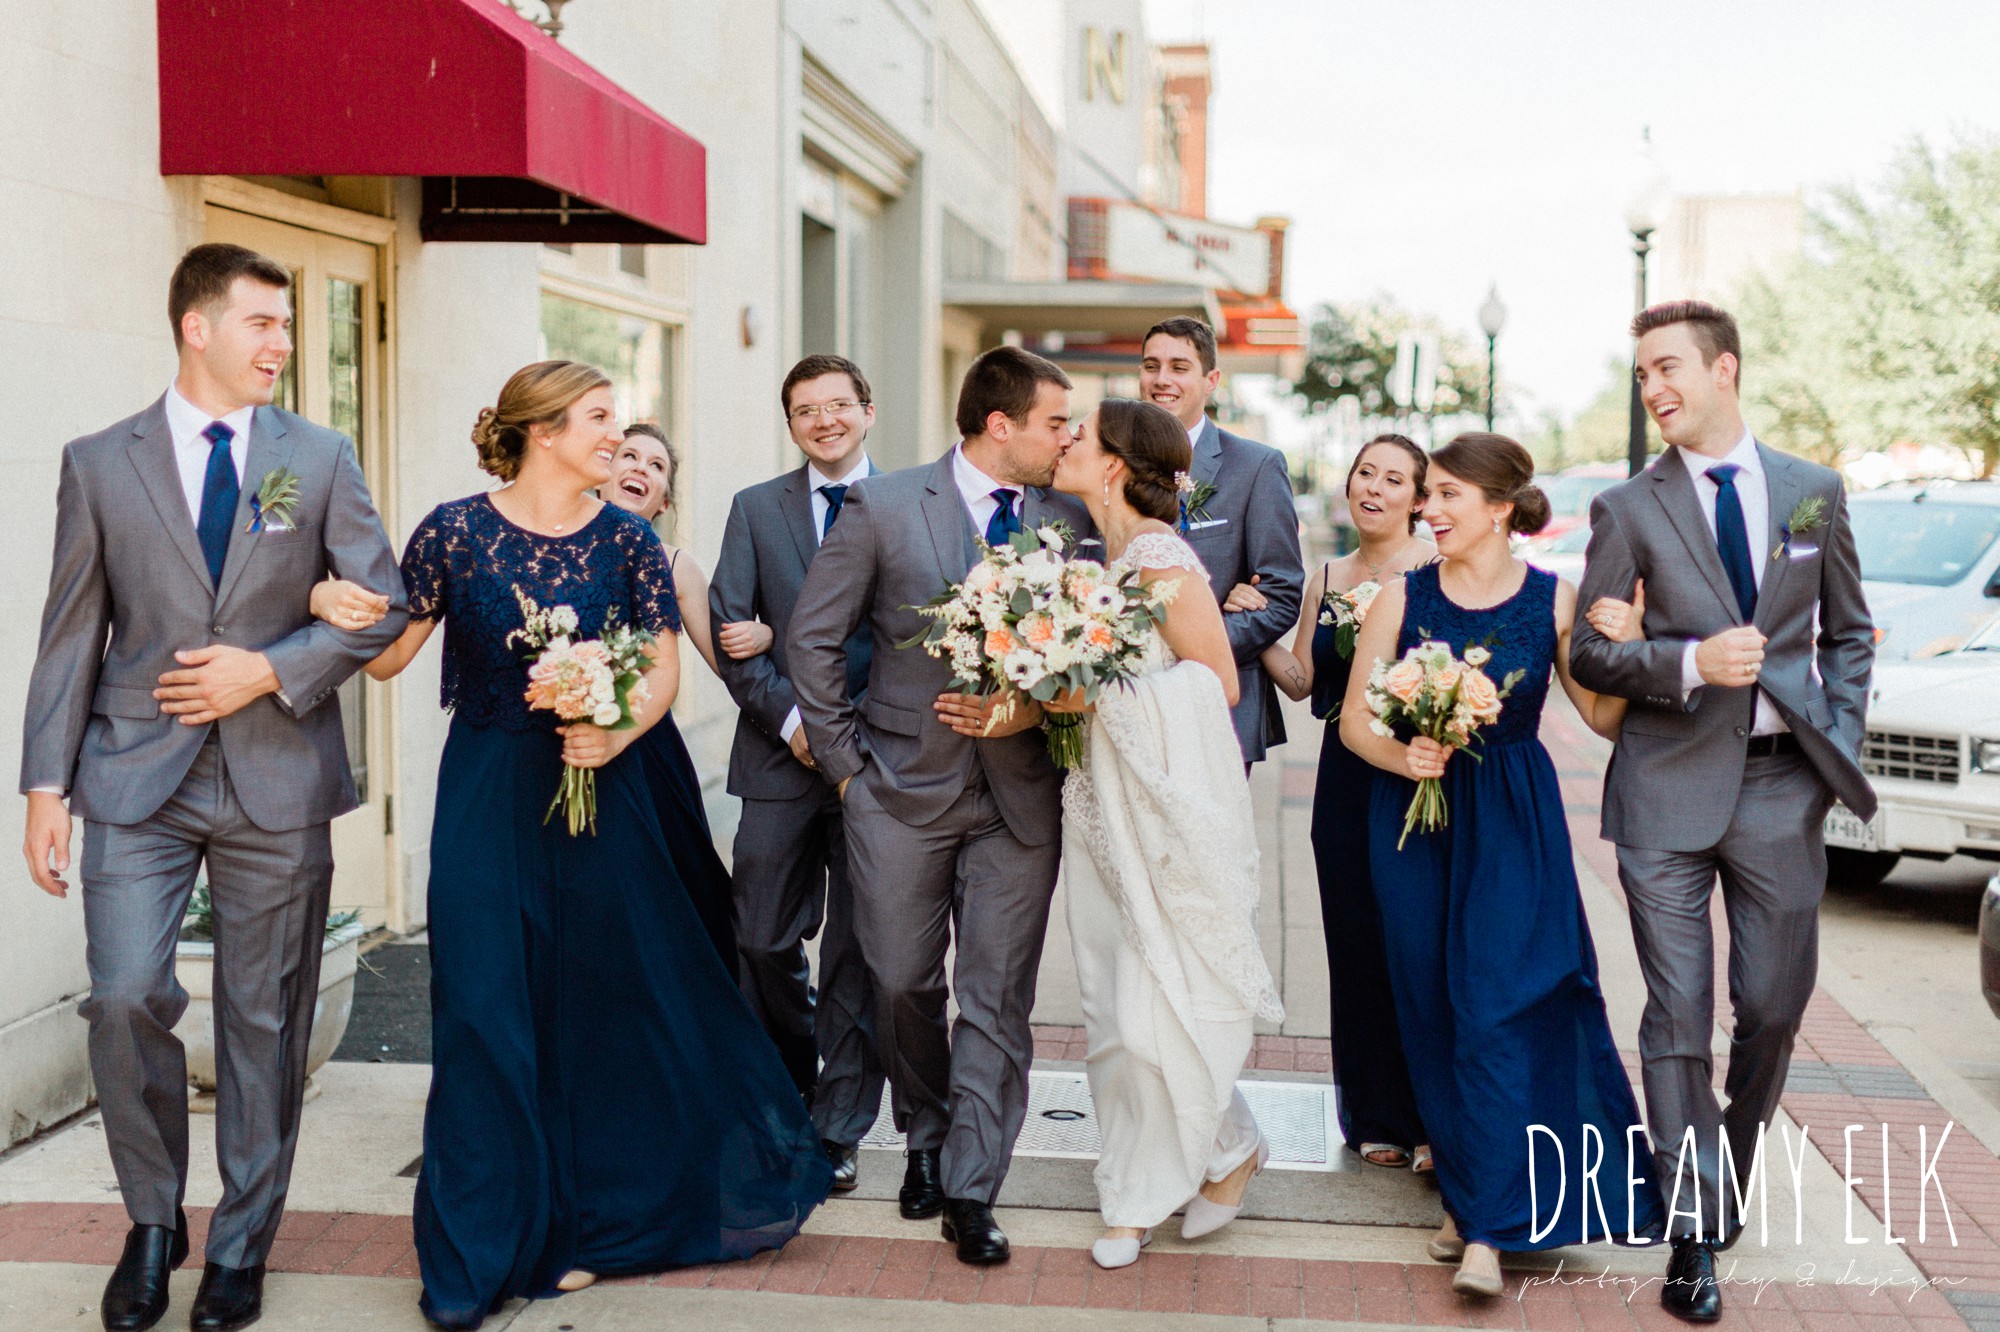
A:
183	700
1747	698
953	816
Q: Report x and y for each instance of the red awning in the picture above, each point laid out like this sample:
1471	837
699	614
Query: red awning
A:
516	137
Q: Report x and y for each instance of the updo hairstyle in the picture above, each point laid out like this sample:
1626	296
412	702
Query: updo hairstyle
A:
1504	473
1154	447
1420	466
653	432
535	395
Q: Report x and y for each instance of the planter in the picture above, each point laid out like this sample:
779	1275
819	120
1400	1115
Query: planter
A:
194	967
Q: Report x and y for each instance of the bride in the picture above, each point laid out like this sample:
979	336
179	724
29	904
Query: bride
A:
1160	868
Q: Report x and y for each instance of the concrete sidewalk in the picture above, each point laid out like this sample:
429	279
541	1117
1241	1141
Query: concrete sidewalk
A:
344	1258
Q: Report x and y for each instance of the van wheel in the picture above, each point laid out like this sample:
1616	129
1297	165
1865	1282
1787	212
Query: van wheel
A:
1855	871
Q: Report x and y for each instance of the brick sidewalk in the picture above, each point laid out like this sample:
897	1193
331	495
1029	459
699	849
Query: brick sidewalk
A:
856	1267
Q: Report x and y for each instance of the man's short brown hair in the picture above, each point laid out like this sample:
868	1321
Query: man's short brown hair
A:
1187	330
824	363
204	275
1712	327
1006	380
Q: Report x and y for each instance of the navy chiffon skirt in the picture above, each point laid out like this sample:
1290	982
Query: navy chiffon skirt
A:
1503	1022
601	1097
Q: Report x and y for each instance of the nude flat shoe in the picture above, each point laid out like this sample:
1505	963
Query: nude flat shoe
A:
1446	1246
1479	1273
1202	1217
576	1279
1112	1253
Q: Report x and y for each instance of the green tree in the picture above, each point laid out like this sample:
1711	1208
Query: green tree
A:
1350	350
1888	329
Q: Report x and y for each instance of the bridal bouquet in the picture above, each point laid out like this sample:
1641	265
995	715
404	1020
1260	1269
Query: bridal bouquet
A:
1442	697
596	680
1026	620
1345	611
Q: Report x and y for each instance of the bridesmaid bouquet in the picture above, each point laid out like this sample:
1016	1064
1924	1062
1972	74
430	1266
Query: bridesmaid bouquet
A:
596	680
1442	697
1345	611
1025	620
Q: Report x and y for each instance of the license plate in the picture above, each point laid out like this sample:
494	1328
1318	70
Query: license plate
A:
1847	830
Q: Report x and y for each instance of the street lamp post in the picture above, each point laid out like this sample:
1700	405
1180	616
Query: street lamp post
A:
1642	219
1492	318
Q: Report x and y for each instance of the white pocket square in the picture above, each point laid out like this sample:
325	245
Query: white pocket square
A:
1207	522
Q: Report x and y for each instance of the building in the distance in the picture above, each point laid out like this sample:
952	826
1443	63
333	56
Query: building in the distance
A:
1710	244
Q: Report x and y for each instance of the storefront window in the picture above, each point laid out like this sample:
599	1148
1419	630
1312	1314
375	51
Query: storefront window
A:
635	352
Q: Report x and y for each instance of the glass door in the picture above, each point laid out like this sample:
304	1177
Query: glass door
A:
334	379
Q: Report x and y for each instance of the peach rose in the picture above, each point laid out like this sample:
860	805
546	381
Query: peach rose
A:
1404	681
999	643
1039	630
1447	679
1479	694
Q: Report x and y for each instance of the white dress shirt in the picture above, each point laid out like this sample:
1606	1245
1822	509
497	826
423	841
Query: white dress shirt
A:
1753	491
814	480
191	448
976	489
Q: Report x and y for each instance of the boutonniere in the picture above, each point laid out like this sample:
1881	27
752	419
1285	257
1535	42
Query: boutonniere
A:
1195	495
277	495
1808	516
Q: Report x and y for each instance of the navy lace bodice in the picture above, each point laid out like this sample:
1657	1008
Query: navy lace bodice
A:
1520	632
464	562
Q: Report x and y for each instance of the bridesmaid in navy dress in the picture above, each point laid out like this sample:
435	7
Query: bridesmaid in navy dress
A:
1490	955
1377	1107
643	472
602	1101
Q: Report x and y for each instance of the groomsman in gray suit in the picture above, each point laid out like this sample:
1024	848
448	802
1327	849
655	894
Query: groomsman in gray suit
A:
954	817
790	875
1245	529
183	700
1747	701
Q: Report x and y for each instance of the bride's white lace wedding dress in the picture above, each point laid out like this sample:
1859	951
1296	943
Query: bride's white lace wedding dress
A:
1160	872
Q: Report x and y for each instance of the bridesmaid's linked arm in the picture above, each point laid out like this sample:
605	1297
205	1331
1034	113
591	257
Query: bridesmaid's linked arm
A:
1602	713
401	652
1291	668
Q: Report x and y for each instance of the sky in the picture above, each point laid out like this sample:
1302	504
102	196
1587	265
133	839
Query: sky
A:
1429	148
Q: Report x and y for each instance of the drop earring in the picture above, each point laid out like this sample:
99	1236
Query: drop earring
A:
1496	526
1107	489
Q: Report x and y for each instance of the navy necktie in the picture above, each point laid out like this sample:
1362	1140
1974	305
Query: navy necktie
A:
1004	522
1732	538
218	499
835	496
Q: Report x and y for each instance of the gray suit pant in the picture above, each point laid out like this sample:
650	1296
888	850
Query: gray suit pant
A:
790	878
270	892
1772	863
966	1092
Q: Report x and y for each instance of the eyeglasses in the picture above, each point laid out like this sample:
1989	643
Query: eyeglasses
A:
810	411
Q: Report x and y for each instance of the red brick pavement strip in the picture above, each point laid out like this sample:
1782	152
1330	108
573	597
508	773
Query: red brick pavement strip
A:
902	1269
1966	1251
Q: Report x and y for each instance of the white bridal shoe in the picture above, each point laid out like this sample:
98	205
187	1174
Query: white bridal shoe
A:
1112	1253
1203	1217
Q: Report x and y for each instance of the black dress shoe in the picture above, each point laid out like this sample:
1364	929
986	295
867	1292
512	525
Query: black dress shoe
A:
971	1226
846	1163
229	1298
136	1296
923	1189
1690	1293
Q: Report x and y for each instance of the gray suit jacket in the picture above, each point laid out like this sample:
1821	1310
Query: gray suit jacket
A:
767	546
129	566
1252	528
902	538
1674	778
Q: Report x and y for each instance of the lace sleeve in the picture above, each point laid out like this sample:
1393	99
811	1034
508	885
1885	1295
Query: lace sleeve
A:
655	608
423	569
1162	550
